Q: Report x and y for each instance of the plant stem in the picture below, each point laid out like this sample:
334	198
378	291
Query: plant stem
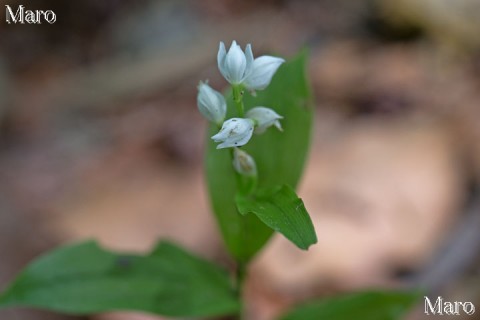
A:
242	187
238	100
240	275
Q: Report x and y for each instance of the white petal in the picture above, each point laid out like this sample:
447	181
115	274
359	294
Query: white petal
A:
249	57
262	72
221	55
223	133
277	125
223	145
264	118
235	64
237	141
220	136
263	114
229	128
241	140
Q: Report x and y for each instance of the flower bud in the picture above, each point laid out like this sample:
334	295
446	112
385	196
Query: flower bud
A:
263	69
235	132
244	163
264	118
211	103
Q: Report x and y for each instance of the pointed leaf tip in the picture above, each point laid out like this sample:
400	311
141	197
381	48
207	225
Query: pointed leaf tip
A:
282	210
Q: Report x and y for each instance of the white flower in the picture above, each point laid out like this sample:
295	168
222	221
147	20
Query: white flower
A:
263	69
264	118
234	65
243	163
235	132
211	103
239	67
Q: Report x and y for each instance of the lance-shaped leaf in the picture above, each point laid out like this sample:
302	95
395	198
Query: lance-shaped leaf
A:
372	305
284	212
86	279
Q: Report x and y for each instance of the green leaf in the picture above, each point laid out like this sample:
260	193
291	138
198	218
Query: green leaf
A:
280	156
373	305
282	211
86	279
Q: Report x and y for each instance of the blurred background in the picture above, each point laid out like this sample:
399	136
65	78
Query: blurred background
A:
100	138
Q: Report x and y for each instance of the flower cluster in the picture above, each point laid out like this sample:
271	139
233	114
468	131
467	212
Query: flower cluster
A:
241	70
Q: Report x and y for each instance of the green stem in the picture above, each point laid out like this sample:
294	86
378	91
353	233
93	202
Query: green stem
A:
240	271
240	275
238	100
244	187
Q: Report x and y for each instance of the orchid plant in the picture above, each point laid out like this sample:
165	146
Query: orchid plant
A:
252	171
